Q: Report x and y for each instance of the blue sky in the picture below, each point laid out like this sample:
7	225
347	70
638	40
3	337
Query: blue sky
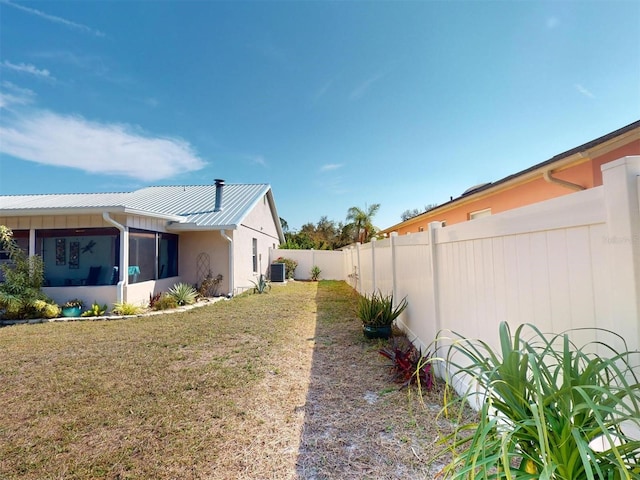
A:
335	104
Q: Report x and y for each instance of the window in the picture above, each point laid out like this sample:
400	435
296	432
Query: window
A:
480	213
255	254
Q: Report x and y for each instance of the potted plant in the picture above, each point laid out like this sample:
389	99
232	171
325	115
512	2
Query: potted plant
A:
377	313
72	308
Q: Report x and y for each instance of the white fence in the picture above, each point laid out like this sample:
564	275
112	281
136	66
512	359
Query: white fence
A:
569	262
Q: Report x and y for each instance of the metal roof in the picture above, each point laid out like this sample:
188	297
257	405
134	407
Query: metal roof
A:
189	206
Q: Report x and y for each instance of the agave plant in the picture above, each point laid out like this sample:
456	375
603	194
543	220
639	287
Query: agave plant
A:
548	409
183	293
262	285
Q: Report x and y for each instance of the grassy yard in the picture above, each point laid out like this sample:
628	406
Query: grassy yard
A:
275	386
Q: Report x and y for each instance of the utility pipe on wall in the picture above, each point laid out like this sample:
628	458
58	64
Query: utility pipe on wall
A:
124	255
230	240
563	183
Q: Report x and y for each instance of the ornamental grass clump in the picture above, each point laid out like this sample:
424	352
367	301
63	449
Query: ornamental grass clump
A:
548	409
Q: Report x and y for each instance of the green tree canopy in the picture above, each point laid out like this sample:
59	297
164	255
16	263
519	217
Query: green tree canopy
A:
362	222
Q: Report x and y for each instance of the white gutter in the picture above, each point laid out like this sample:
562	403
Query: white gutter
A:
124	255
563	183
230	240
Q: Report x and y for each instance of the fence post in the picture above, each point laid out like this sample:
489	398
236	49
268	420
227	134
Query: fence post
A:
620	182
373	263
433	274
394	283
359	271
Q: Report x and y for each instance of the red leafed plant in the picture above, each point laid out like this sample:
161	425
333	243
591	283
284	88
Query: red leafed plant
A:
409	366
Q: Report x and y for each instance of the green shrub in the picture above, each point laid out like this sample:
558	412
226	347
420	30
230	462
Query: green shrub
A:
165	302
96	310
183	294
315	273
544	404
20	294
289	266
378	310
124	308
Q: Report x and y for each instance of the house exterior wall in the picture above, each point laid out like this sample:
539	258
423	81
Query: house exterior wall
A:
259	224
203	252
585	172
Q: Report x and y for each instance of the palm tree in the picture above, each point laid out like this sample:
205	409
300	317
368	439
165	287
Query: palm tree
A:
361	221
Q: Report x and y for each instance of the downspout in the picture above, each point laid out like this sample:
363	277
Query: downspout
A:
124	255
230	240
563	183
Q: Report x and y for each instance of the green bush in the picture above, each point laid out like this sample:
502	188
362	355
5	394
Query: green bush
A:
124	308
165	302
21	296
544	406
96	310
289	266
315	273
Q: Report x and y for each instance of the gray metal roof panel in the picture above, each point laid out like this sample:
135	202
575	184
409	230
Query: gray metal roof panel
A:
66	200
195	204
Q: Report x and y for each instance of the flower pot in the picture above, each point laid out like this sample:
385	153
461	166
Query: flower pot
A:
376	332
71	311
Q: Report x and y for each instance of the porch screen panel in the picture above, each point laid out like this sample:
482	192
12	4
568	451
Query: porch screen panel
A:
167	255
142	256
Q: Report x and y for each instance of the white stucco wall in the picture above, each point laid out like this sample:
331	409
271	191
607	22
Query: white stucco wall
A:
204	244
259	224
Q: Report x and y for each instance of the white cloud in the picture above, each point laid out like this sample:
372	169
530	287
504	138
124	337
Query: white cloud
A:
102	148
330	166
27	68
552	22
54	19
584	91
13	95
362	89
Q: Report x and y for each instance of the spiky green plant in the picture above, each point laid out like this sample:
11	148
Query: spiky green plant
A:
183	293
378	310
545	404
262	285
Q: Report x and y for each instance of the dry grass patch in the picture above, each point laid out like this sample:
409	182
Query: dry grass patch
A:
272	386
